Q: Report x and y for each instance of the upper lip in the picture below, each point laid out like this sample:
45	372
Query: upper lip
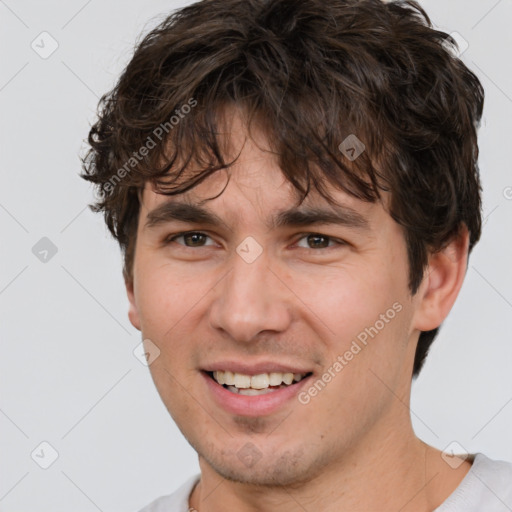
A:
254	368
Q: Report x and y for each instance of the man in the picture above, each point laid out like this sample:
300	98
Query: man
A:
295	189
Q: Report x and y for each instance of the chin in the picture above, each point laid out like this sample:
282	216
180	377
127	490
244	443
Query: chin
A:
289	468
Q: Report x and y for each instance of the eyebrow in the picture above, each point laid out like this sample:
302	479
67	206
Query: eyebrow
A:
305	216
183	212
293	217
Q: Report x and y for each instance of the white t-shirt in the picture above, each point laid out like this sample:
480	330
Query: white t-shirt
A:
487	487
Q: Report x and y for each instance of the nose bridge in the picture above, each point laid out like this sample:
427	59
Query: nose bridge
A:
250	299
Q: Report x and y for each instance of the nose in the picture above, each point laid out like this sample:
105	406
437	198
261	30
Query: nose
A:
251	299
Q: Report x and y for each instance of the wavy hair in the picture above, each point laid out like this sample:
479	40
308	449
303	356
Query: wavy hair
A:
311	72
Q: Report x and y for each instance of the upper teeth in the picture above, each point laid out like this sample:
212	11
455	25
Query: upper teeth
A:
261	381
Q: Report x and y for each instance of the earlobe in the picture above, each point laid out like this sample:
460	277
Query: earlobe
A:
133	312
442	282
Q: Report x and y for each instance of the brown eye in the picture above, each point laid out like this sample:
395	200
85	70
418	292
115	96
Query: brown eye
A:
317	241
194	239
191	239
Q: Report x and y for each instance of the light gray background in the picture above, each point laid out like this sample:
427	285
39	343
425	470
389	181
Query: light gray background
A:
68	374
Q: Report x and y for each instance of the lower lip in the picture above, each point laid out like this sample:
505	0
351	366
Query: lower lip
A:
252	406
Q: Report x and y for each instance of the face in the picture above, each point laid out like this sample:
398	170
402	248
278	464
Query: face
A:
311	311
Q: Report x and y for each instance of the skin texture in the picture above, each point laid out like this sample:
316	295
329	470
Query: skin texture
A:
352	447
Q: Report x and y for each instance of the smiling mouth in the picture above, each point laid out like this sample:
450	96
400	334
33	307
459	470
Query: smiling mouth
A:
253	385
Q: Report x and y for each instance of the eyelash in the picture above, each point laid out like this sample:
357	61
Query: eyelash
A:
337	241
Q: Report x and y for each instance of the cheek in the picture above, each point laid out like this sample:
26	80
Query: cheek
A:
158	302
172	302
350	300
165	296
366	313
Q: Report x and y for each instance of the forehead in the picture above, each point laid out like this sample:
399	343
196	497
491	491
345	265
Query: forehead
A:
254	182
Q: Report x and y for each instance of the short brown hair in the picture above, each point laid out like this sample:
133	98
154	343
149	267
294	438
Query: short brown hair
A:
313	72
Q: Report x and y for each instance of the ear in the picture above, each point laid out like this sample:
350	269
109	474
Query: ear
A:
133	311
442	282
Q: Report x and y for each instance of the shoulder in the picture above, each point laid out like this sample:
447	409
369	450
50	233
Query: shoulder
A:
175	502
487	486
496	473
